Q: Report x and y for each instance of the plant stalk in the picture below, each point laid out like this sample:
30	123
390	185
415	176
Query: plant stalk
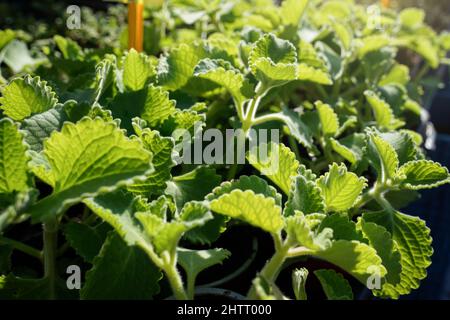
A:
22	247
50	252
176	283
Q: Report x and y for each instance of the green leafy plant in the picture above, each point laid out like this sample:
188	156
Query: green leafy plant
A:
89	139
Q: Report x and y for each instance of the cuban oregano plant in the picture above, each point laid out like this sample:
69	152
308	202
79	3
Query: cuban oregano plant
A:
90	149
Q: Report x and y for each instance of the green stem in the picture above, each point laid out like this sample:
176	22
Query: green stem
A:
191	287
50	251
176	283
273	266
249	116
22	247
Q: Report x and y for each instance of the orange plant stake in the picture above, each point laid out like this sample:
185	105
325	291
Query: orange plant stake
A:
136	25
385	3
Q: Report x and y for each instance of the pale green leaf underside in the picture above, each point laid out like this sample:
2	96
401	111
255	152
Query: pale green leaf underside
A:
255	209
423	174
222	73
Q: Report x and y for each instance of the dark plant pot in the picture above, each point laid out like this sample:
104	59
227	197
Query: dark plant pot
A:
214	294
440	111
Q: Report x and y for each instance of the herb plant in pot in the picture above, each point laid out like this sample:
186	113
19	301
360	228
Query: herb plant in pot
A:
110	145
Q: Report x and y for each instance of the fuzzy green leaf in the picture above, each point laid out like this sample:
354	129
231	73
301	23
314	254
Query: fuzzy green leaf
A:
13	160
340	188
298	228
253	208
88	158
328	119
277	162
23	97
336	287
161	148
422	174
224	74
121	272
137	70
412	238
382	111
304	196
382	157
355	257
381	240
273	61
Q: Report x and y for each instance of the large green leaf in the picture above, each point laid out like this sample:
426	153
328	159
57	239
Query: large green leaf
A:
117	208
358	259
23	97
176	68
299	228
381	240
151	104
273	61
86	240
383	113
256	209
224	74
328	119
137	70
340	188
88	158
194	185
412	238
382	157
335	286
13	160
121	272
39	127
161	148
304	196
291	11
422	174
277	162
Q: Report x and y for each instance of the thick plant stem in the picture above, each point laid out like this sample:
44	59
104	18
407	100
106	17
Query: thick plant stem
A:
176	283
50	252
